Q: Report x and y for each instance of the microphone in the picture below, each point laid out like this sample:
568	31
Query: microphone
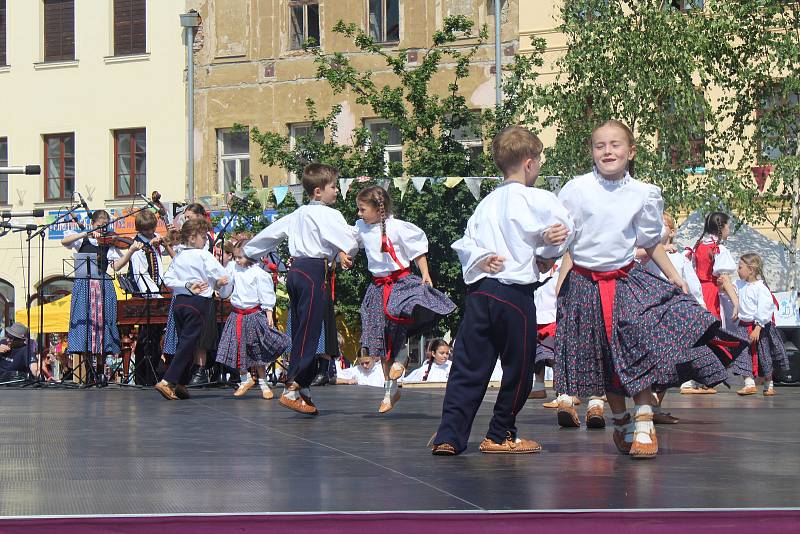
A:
24	227
6	214
25	169
148	201
83	203
77	221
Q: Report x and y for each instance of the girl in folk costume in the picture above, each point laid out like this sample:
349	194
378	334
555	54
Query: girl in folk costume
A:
249	338
436	369
713	264
621	330
398	303
756	311
93	310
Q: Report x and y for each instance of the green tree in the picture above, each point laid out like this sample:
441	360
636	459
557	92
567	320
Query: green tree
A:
430	125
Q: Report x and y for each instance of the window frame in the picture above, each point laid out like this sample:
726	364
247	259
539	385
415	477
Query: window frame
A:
389	148
62	166
304	4
132	49
133	174
4	177
3	33
238	157
55	58
383	38
765	153
7	307
293	127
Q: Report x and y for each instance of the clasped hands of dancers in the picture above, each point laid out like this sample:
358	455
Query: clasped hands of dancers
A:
620	330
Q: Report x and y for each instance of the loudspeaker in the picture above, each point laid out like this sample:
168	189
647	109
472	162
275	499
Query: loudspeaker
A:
792	376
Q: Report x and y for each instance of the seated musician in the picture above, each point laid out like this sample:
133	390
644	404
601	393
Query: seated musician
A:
17	354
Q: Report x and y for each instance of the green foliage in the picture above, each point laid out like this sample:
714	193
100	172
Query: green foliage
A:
431	126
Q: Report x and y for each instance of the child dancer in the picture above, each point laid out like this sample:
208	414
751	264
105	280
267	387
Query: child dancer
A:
193	275
398	303
93	309
756	310
249	338
317	235
514	229
622	331
367	372
436	369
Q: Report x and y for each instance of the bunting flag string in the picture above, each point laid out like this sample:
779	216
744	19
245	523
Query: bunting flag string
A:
280	193
474	186
296	190
344	185
451	181
401	183
419	182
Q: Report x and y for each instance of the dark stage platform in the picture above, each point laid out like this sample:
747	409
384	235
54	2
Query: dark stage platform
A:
128	451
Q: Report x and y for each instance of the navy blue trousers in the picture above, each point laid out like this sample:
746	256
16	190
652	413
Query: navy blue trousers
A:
499	320
190	314
309	300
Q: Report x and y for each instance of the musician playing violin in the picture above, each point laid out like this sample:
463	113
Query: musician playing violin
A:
93	310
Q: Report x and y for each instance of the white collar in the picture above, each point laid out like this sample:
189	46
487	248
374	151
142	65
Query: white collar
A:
611	184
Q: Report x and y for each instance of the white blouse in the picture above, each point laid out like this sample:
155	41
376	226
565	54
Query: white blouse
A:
755	302
144	281
545	296
193	265
612	218
510	222
409	243
438	373
686	271
113	252
250	286
314	231
723	262
372	377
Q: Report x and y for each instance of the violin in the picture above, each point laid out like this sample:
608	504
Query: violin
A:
113	239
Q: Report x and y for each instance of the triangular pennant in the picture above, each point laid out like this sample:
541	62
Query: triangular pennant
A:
452	181
280	193
384	183
262	194
419	182
297	193
401	183
474	186
344	185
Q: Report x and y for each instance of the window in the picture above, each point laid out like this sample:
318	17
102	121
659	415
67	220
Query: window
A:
393	151
779	123
130	163
685	5
302	132
470	138
384	20
233	147
52	289
59	30
3	60
303	23
6	302
59	168
3	177
130	24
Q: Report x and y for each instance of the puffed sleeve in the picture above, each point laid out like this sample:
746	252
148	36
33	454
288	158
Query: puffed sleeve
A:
268	239
214	268
114	254
170	276
226	291
688	273
766	306
338	233
412	239
266	291
543	210
724	262
75	245
360	228
470	254
649	222
569	196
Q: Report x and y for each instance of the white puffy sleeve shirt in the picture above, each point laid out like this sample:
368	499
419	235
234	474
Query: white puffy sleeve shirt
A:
510	222
545	297
193	265
612	219
409	242
113	252
252	286
724	262
755	302
313	231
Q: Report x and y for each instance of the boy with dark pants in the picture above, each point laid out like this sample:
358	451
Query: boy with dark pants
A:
515	231
317	235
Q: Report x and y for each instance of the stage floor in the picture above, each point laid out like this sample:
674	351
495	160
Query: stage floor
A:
128	451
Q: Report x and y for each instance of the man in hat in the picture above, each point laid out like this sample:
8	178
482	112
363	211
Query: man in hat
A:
17	353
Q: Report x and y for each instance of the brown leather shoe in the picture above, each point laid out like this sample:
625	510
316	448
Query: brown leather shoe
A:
541	394
567	416
267	394
769	392
244	387
706	391
388	405
181	392
298	405
396	371
747	390
443	449
551	404
664	418
619	437
644	451
509	446
166	391
306	396
594	417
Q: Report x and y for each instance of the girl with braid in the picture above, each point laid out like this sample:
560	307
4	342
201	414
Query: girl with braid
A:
398	304
436	368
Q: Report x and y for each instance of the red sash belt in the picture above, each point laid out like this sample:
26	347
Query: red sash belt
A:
607	284
388	282
753	346
240	313
543	331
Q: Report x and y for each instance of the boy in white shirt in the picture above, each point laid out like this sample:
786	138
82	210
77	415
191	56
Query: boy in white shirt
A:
365	373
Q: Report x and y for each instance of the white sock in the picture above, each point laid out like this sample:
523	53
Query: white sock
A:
643	428
566	399
689	384
625	429
538	386
243	377
749	382
263	383
768	384
291	394
595	401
